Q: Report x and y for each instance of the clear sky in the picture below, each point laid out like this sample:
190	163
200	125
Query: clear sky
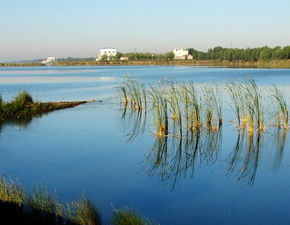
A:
79	28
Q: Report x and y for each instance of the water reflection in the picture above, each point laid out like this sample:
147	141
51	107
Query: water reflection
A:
244	158
23	123
173	159
280	140
134	123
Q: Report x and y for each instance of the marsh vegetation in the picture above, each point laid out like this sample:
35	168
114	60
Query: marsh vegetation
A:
178	108
42	208
187	122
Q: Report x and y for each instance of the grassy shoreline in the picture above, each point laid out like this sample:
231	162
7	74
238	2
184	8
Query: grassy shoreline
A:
24	107
42	208
235	64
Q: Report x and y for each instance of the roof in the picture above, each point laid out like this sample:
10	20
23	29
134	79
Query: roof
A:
108	48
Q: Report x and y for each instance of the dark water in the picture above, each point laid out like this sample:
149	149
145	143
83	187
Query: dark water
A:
210	178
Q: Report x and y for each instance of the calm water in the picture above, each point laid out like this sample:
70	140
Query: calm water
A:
91	149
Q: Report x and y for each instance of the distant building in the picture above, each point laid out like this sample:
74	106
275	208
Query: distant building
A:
124	58
190	57
106	52
180	53
48	60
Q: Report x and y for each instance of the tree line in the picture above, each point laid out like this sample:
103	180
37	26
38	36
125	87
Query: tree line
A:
141	56
248	54
216	53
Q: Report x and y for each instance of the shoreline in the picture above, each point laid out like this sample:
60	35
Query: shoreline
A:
22	107
275	64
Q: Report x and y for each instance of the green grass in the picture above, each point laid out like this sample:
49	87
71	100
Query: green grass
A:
40	207
128	217
42	200
83	212
10	191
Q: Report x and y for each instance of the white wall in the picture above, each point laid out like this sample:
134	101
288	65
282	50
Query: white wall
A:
108	51
180	53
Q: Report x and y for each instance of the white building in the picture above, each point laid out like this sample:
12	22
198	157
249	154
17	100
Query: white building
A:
124	58
190	57
180	53
109	52
48	60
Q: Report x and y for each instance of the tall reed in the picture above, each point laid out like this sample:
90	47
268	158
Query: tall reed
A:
254	106
133	92
175	106
236	95
282	114
213	107
160	110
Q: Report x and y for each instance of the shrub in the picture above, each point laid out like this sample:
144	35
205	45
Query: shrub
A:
23	98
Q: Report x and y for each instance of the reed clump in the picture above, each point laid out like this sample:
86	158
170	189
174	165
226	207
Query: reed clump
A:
178	108
282	113
194	108
237	96
213	107
248	104
133	93
159	110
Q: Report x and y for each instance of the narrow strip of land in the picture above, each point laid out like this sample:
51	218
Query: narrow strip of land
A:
23	107
285	63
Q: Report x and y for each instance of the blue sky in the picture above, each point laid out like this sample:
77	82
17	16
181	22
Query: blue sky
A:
37	28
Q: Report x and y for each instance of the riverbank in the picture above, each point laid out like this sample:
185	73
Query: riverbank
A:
235	64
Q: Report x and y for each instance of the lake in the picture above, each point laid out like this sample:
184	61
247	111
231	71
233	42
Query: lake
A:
114	158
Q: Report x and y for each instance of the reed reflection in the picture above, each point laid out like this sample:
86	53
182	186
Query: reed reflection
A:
243	160
134	122
172	158
187	122
279	140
